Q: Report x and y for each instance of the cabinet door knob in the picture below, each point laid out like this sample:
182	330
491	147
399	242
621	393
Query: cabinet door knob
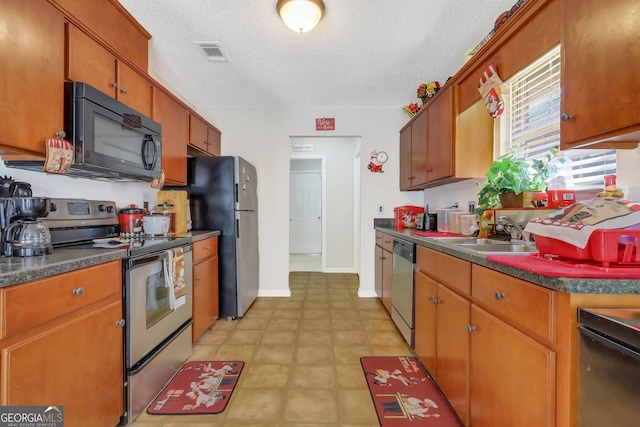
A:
120	323
78	291
499	295
123	91
114	85
436	301
565	117
197	278
61	134
430	297
471	328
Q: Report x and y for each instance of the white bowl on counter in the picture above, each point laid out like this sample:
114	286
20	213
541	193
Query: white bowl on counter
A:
156	224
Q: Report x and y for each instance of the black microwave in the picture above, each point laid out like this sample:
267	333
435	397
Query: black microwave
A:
111	141
109	138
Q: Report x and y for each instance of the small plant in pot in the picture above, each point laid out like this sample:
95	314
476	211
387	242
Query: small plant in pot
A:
509	176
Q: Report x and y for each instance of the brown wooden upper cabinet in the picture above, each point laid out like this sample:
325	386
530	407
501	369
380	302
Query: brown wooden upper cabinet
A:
440	146
440	136
31	46
413	152
204	138
175	136
110	21
600	97
90	62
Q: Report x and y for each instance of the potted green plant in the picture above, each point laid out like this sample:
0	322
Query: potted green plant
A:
509	177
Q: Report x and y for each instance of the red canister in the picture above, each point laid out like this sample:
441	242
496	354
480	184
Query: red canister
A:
131	219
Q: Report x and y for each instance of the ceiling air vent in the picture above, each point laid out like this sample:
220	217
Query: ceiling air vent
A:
212	51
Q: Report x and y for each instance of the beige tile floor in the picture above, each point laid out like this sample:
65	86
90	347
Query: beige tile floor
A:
302	357
305	262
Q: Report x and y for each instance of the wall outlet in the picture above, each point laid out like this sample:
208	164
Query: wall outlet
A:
380	209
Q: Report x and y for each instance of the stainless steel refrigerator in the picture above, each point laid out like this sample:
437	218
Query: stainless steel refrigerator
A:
223	196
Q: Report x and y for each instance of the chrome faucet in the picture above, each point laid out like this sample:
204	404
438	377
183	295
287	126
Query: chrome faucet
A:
513	228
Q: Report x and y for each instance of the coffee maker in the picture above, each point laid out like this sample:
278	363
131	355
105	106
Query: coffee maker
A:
23	233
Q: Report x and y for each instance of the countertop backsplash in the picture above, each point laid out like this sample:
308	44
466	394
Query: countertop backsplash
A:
60	186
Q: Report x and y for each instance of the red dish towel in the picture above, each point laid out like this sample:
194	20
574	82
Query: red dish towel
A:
565	268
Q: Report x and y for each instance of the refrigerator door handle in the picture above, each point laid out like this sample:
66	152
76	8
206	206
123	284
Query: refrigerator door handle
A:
237	228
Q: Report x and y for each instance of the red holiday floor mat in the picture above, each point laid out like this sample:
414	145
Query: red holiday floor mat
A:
198	388
404	393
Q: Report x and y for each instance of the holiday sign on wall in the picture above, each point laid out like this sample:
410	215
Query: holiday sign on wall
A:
326	123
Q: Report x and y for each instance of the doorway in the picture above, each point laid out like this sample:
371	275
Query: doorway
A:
333	163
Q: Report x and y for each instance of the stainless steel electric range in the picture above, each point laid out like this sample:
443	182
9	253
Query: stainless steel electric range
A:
157	294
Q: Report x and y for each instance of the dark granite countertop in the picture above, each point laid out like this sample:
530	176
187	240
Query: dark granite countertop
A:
15	270
202	234
569	285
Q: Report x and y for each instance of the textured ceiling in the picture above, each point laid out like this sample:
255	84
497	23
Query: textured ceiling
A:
371	53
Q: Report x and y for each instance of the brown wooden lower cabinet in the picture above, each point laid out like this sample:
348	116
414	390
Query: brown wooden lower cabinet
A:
503	350
72	356
513	377
205	286
441	321
384	268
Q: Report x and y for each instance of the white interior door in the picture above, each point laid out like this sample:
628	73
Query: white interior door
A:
305	221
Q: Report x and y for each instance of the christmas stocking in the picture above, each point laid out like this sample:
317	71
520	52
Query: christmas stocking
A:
491	88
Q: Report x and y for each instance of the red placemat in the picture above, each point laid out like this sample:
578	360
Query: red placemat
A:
559	267
404	394
198	388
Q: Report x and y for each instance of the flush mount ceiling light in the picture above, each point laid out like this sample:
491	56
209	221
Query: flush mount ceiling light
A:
300	15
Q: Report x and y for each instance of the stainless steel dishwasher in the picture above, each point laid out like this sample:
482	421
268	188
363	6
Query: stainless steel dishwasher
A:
404	255
609	367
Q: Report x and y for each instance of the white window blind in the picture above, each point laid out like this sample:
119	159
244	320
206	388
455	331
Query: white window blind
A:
531	121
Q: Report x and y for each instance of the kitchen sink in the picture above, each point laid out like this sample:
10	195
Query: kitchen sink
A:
455	240
483	246
501	248
470	241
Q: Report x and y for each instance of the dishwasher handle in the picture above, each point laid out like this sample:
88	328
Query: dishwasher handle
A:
405	249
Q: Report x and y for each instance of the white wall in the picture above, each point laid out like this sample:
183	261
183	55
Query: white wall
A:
263	138
60	186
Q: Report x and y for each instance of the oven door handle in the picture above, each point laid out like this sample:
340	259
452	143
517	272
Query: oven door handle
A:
147	259
157	256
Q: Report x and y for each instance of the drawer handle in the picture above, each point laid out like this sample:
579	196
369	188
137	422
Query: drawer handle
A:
120	323
208	248
499	295
78	291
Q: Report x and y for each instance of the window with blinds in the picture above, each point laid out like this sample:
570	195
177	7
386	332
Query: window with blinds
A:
531	121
